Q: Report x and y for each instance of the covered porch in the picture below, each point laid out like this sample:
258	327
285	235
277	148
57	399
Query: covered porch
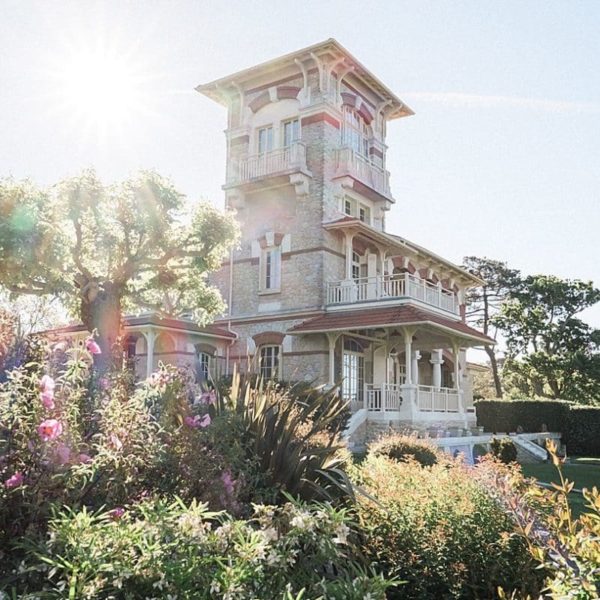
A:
399	364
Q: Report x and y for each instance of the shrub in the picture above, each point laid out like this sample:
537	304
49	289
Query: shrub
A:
402	447
580	432
440	531
173	550
531	415
297	448
504	450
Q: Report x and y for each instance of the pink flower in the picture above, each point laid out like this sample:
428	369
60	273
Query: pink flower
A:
47	384
197	421
84	458
92	347
116	513
228	482
15	480
49	429
47	399
209	397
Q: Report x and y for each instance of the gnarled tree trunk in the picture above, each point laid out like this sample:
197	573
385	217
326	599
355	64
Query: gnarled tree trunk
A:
101	312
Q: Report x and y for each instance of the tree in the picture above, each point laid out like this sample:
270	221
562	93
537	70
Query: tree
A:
551	352
484	302
103	249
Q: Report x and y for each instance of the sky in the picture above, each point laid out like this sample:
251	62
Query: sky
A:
501	159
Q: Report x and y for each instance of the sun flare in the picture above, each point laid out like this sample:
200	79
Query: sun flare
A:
99	88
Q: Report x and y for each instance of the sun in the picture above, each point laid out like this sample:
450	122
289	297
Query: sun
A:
98	87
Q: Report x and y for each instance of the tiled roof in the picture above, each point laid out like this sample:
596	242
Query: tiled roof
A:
154	319
385	316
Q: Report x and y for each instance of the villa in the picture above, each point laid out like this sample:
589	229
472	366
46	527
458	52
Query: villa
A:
318	289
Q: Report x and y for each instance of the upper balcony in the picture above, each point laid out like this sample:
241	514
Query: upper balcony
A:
351	163
390	288
251	170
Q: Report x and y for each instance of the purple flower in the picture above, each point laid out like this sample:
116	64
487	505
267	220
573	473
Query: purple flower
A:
228	482
209	397
197	421
47	399
63	454
47	384
84	458
116	513
14	480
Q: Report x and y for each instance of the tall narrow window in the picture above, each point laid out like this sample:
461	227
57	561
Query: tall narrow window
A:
203	366
355	132
291	132
353	366
265	139
355	266
271	269
269	362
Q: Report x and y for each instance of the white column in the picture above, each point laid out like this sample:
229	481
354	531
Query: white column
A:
437	361
150	338
408	355
416	355
332	339
456	358
349	238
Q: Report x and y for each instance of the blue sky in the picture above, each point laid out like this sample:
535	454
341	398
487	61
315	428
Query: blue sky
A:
502	158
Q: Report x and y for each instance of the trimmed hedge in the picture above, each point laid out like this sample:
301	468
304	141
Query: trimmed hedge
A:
579	425
507	416
582	434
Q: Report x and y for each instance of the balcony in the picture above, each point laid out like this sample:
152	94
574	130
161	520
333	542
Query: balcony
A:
280	162
386	288
363	170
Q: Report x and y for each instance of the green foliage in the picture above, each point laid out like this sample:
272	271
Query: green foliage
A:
439	530
405	447
296	444
104	249
568	549
168	550
581	429
504	450
532	416
551	352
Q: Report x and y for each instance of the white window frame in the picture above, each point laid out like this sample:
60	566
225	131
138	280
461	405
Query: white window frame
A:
353	372
204	365
296	131
268	129
269	361
355	132
270	270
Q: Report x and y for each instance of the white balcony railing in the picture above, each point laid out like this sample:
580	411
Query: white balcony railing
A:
388	287
383	397
266	164
432	399
352	163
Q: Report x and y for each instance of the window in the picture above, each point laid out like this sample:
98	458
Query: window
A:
291	132
355	132
348	207
355	266
364	214
265	139
203	366
271	269
269	362
353	367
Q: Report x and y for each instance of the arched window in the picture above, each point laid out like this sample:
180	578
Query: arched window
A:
355	132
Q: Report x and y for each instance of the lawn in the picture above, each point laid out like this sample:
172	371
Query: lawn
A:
585	472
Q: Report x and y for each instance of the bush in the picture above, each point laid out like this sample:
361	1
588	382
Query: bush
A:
173	550
532	416
504	450
578	424
581	431
440	531
402	447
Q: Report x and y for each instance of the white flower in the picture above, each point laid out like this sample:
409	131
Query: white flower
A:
341	534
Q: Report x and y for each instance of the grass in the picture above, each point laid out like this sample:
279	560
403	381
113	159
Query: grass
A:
585	472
